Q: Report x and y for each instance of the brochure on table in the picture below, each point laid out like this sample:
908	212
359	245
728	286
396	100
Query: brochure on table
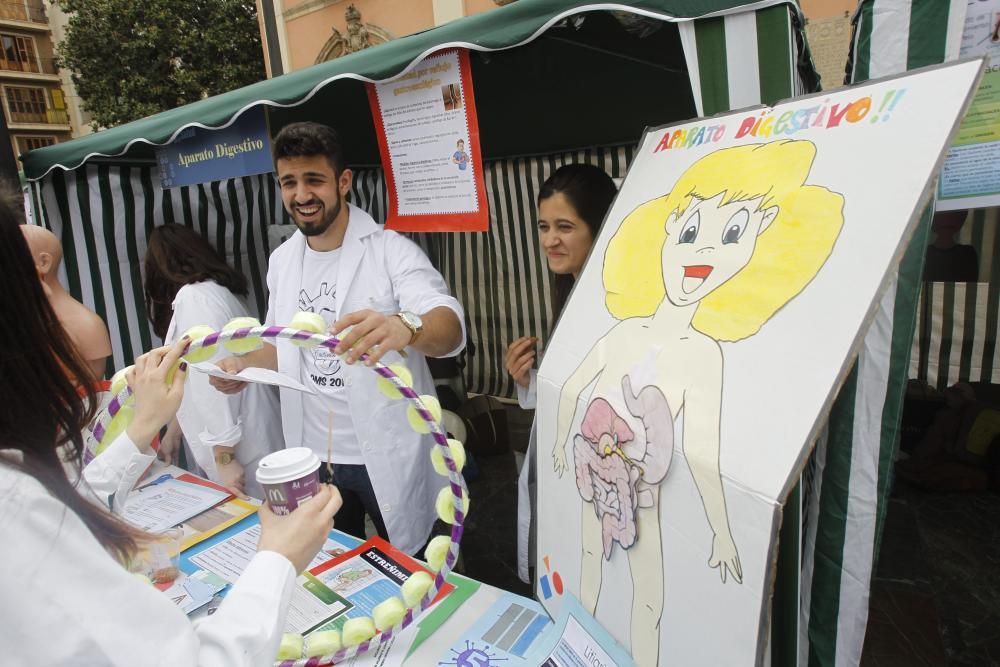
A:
725	299
428	135
168	501
363	578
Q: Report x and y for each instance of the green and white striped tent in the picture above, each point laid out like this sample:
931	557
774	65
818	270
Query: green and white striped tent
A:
956	324
555	81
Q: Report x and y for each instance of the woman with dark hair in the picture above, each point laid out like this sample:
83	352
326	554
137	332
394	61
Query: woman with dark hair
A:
571	208
69	598
189	284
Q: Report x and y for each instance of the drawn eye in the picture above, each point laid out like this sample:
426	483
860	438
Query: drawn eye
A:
736	226
689	232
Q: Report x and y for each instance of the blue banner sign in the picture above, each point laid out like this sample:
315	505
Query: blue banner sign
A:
200	156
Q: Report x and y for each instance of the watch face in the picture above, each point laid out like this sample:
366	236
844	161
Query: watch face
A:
411	320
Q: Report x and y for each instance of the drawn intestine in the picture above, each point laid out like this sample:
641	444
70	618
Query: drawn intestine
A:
606	476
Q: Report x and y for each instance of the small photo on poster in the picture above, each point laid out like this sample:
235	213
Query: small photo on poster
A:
452	96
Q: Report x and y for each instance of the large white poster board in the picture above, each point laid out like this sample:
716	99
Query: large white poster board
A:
698	355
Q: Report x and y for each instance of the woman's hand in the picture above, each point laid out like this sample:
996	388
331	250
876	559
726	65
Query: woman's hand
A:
725	558
520	359
156	402
232	476
300	535
170	443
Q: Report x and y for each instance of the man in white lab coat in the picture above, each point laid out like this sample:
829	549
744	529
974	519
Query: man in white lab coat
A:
379	293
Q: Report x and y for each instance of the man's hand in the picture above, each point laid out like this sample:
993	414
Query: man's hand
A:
230	365
371	332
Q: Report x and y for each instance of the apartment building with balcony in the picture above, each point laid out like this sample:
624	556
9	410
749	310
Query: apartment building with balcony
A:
31	91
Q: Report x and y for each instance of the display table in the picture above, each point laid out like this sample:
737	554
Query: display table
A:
480	618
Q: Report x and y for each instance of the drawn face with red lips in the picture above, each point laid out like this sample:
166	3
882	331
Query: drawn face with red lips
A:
709	244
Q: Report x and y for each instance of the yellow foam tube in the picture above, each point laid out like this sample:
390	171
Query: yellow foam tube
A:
307	321
417	422
290	647
445	505
457	453
118	382
117	426
196	356
388	387
416	587
436	551
357	630
324	642
242	345
388	613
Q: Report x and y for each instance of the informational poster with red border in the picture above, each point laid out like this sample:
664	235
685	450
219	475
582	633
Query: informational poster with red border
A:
428	135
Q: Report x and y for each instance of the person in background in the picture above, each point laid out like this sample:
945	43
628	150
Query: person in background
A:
69	598
571	208
947	260
189	284
86	329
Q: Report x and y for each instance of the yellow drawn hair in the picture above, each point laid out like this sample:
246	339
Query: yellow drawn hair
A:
788	254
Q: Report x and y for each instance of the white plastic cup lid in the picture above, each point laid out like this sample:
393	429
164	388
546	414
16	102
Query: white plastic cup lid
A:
286	465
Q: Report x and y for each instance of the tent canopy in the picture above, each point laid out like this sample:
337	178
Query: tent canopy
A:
578	77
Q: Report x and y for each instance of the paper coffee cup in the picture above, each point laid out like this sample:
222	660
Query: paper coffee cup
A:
289	478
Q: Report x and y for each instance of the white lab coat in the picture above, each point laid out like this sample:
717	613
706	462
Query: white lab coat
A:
250	420
526	492
383	271
68	602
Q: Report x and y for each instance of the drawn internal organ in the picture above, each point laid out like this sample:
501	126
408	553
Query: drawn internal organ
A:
606	476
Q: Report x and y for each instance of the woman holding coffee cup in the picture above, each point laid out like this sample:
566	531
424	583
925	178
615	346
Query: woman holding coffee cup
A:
61	565
571	208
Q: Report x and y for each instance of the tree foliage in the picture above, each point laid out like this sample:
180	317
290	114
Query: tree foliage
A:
134	58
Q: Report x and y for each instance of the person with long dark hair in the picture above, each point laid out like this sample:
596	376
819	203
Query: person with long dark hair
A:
69	599
188	284
572	204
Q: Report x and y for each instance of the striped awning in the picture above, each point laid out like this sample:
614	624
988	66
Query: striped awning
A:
562	55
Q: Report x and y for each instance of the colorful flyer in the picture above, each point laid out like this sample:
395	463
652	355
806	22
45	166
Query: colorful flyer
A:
506	634
970	177
578	639
428	135
365	577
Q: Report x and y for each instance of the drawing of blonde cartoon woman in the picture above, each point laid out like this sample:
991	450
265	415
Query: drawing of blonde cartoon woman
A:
738	236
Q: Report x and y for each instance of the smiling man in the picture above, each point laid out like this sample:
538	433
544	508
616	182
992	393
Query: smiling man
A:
378	292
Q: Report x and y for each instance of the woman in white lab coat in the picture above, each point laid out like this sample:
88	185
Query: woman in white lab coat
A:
187	284
68	600
572	204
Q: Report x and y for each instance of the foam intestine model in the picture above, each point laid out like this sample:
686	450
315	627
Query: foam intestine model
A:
424	415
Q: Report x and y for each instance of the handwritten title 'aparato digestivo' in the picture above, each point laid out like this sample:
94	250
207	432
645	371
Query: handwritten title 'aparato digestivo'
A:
248	145
767	123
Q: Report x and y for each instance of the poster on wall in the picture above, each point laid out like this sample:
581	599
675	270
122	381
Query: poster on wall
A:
428	135
970	177
692	369
198	155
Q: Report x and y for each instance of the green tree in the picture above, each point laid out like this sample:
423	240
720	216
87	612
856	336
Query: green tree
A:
134	58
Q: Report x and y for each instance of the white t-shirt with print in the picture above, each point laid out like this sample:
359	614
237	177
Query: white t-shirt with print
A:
322	369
